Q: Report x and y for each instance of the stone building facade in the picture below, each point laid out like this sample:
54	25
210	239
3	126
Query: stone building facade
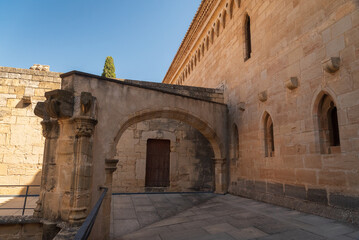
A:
291	77
261	100
21	140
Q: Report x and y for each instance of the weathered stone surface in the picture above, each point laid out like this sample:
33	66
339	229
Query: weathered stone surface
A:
317	195
21	141
295	191
320	52
191	164
275	188
59	103
340	200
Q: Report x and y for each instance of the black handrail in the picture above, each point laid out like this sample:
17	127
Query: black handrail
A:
26	195
84	232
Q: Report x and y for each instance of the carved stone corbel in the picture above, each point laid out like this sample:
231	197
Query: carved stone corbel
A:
111	165
331	65
262	96
292	83
59	104
86	100
40	111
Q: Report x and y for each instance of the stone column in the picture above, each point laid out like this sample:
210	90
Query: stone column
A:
220	175
50	130
82	170
110	167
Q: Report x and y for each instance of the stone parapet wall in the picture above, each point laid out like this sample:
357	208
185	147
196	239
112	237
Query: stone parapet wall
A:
191	164
20	228
21	140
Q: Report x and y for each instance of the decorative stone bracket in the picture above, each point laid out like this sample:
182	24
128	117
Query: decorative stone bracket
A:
292	83
111	165
262	96
331	65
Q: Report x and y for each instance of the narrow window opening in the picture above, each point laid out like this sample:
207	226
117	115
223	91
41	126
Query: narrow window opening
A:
247	33
328	126
334	128
268	136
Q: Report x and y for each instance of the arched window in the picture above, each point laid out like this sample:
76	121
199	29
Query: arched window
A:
247	35
328	125
268	136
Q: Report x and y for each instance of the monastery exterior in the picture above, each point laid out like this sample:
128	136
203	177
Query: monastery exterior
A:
261	100
291	83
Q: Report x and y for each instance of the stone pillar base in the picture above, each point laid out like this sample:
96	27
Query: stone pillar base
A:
220	175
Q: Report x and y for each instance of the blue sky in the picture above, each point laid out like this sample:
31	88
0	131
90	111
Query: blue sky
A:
141	35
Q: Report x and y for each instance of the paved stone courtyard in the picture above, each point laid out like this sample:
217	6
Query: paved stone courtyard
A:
216	217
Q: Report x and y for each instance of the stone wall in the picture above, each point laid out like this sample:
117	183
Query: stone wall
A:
20	228
191	164
21	140
289	39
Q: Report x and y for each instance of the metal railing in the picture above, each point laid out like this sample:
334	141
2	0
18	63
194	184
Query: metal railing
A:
84	232
21	195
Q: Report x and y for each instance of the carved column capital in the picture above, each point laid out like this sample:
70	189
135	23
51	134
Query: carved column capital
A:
50	129
85	126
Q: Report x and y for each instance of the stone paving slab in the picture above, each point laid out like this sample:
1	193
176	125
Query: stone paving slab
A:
134	211
227	217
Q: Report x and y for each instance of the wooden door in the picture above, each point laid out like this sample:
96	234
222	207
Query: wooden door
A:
158	163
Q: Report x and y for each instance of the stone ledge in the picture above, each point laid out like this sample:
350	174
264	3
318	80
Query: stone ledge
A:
197	93
29	71
18	219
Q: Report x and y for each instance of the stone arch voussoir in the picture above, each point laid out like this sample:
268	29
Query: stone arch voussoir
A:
177	114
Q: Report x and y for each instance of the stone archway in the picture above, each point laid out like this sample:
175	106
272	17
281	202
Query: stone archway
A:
176	114
92	112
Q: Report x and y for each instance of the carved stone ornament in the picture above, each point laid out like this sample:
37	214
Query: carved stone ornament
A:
85	127
40	111
111	165
86	102
292	83
59	103
262	96
331	65
50	128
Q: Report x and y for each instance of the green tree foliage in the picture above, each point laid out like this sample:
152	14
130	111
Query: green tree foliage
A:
109	68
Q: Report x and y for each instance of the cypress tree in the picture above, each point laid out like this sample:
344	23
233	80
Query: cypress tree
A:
109	68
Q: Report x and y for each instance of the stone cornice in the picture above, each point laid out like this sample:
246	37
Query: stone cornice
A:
203	14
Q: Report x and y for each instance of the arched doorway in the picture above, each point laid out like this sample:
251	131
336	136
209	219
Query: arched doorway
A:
143	167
